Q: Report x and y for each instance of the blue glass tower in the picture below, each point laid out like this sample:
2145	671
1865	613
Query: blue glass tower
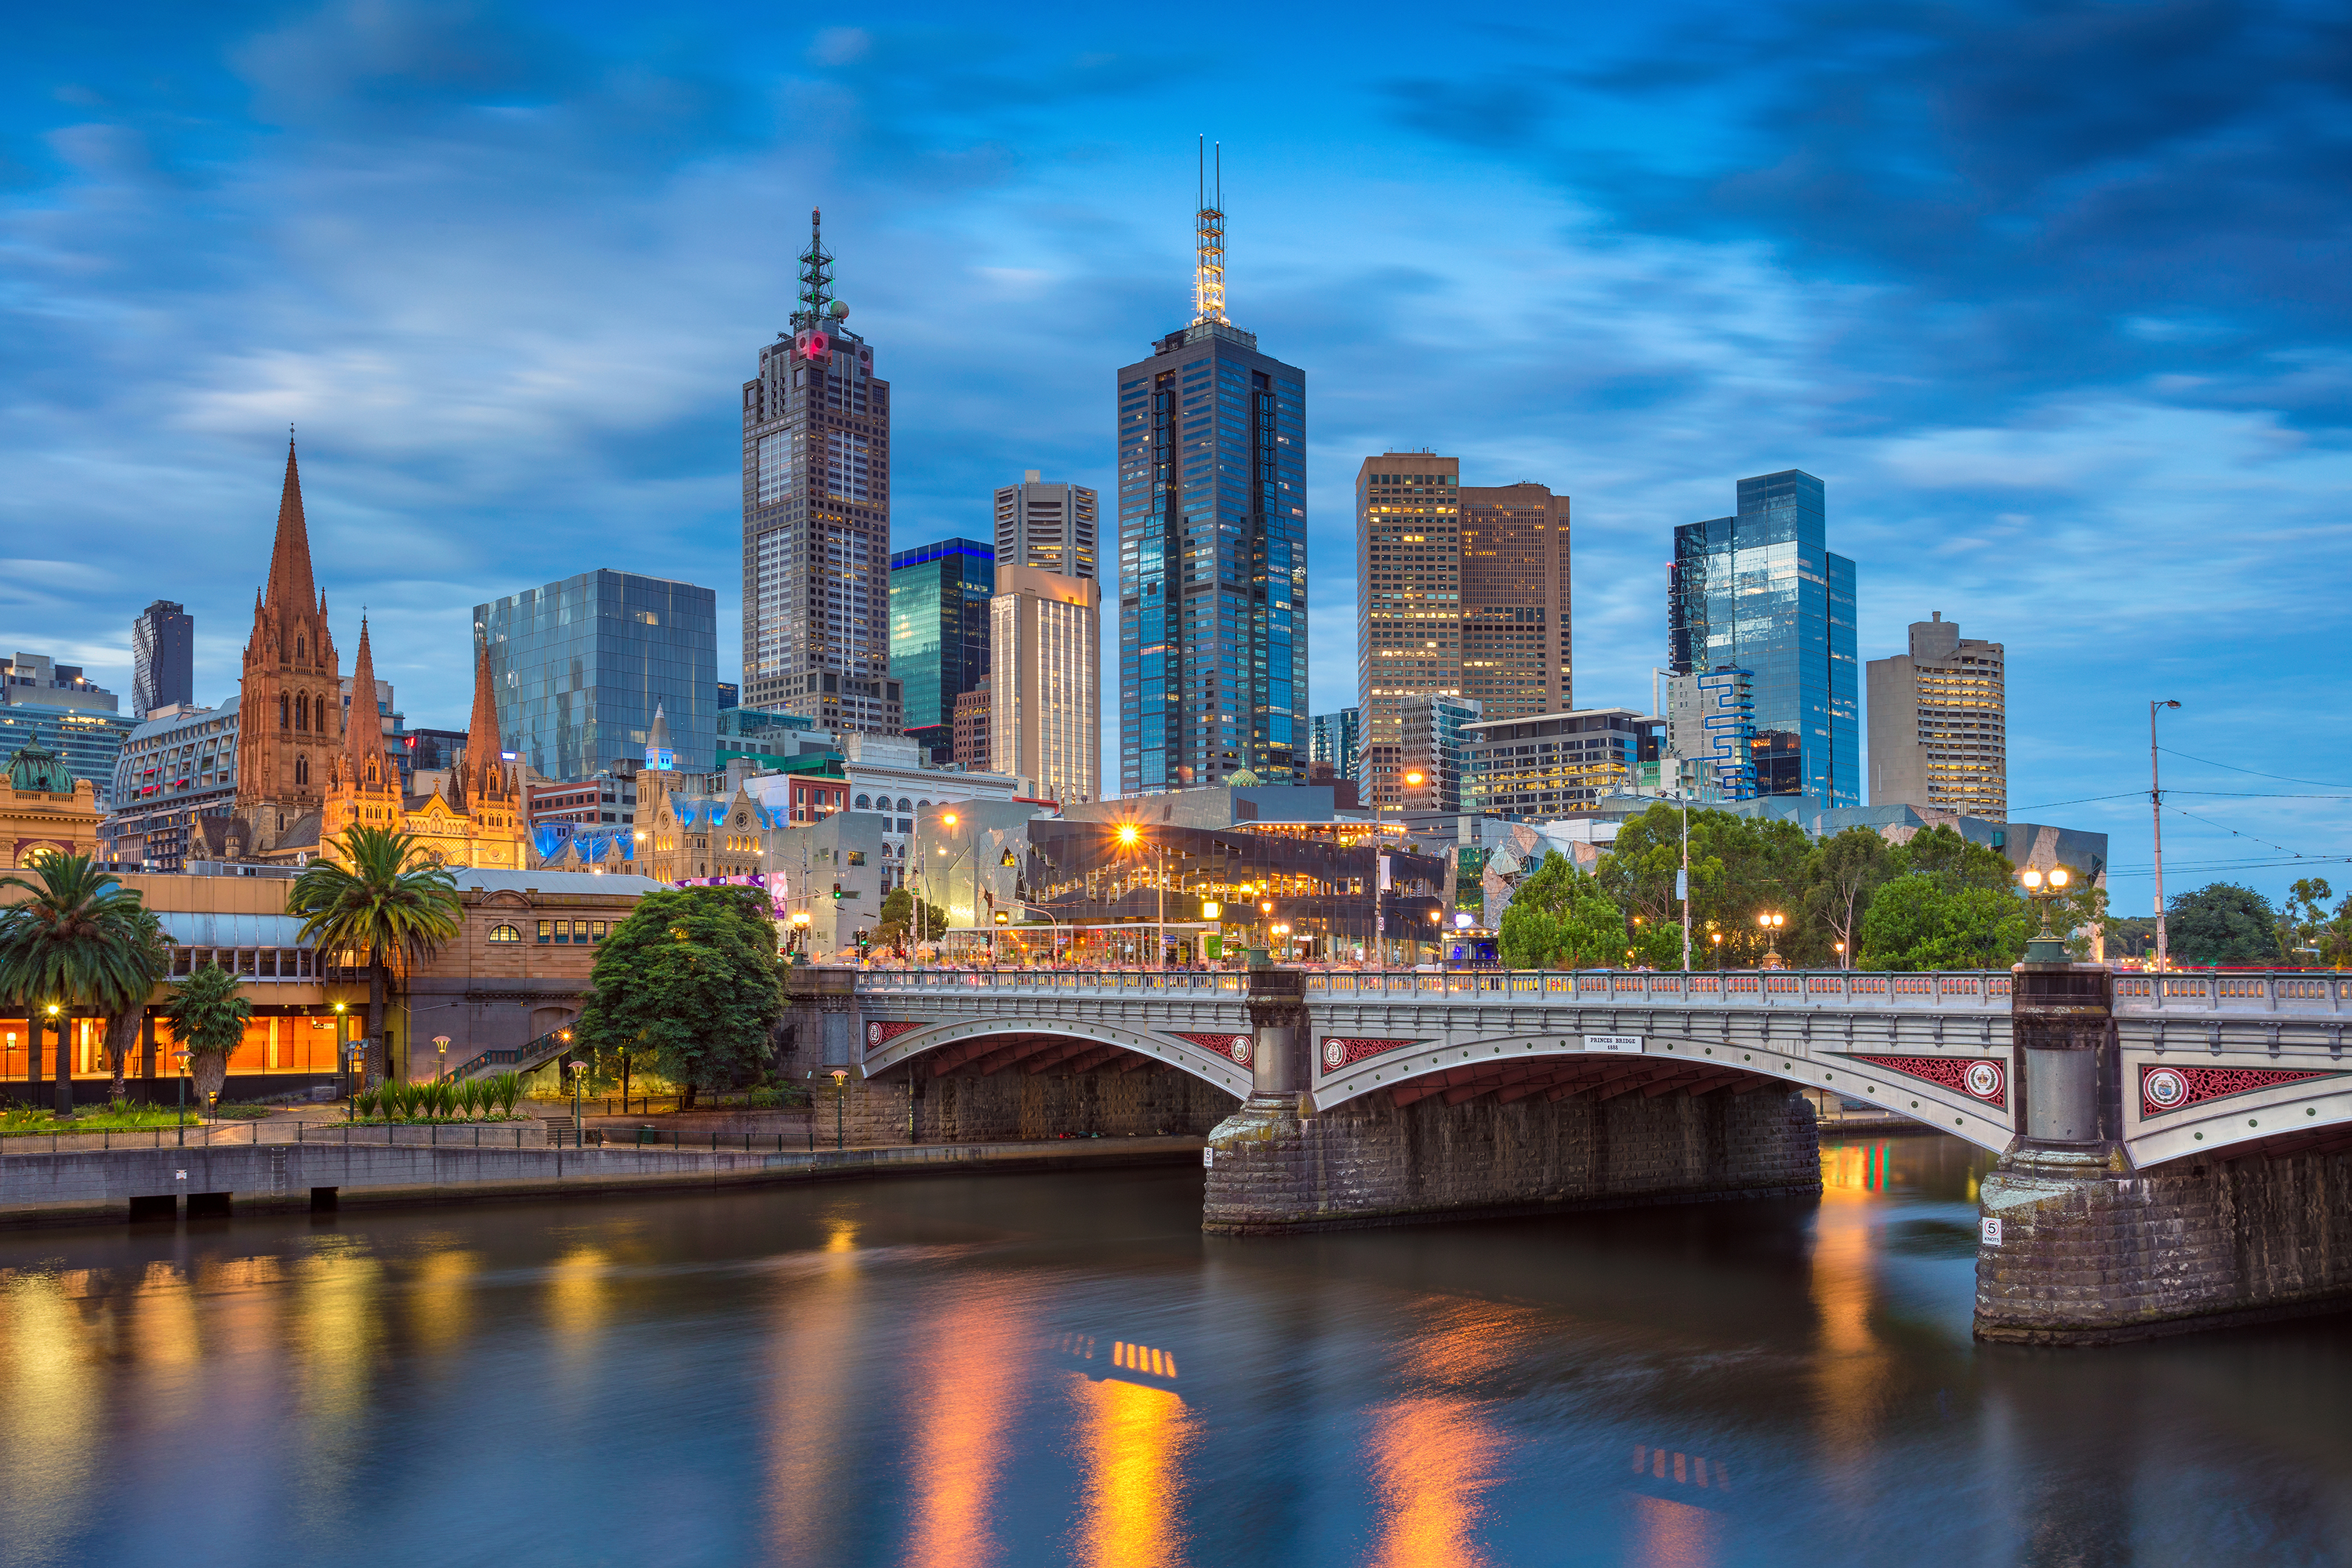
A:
939	632
1212	552
1760	591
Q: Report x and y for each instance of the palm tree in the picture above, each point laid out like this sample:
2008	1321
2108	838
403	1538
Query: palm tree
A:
149	952
78	940
389	902
208	1019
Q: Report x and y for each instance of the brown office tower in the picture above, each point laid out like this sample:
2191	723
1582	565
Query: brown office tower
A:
1515	606
1408	603
971	730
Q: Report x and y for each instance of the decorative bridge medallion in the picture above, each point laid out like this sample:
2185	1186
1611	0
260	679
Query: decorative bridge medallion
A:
1340	1051
2167	1089
1234	1046
880	1034
1982	1079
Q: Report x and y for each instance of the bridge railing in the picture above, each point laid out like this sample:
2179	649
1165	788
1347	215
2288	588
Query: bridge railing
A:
1734	988
2252	991
1183	981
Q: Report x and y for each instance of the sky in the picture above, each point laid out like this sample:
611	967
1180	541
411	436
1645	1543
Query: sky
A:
2051	296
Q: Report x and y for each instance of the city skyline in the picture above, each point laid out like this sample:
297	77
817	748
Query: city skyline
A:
1990	469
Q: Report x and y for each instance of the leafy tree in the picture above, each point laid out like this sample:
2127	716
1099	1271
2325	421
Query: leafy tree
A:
2311	929
896	926
207	1018
389	902
79	939
150	952
1739	866
2222	922
1841	875
1955	862
2079	911
1560	919
1918	922
692	979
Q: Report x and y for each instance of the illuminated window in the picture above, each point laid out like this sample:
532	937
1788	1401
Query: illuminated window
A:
505	933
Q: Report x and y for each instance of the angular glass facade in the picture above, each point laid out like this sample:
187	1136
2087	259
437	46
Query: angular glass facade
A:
1760	591
580	665
939	628
1212	564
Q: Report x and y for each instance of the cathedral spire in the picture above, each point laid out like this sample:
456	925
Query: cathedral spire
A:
484	763
364	763
289	558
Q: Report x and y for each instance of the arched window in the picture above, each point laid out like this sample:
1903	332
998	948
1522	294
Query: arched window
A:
297	645
285	711
864	804
301	770
301	710
504	933
904	807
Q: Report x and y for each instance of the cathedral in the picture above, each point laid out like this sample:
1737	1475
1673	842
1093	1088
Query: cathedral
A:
306	773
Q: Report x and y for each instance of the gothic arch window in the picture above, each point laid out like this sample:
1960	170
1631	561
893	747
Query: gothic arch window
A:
303	711
505	933
285	711
301	770
298	644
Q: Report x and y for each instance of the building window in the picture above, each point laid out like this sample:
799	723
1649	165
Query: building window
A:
505	933
546	930
857	857
596	931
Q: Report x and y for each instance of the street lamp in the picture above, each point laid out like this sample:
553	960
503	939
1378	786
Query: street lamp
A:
1771	924
2044	889
800	936
840	1093
181	1057
2156	821
1130	838
440	1057
579	1079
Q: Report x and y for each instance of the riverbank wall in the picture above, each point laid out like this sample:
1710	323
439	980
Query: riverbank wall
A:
1370	1163
84	1187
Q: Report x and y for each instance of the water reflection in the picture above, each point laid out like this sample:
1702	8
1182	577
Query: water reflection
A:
1060	1369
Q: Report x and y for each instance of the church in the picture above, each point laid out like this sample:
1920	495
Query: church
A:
311	765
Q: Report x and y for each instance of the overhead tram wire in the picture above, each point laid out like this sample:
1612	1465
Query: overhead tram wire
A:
2237	833
2256	771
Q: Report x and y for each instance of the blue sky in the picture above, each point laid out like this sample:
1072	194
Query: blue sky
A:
2051	296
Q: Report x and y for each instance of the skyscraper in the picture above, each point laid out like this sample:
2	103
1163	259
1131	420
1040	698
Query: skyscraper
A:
1516	633
1045	708
1408	602
939	633
581	667
1050	528
1760	590
1212	550
1938	724
1331	742
816	519
162	658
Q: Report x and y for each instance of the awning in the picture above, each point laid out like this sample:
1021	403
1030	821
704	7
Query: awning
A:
231	931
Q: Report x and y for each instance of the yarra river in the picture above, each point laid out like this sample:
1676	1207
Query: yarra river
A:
1037	1370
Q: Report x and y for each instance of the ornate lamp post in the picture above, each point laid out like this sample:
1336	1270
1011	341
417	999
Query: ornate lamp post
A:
181	1057
579	1079
1771	923
441	1058
2045	889
840	1093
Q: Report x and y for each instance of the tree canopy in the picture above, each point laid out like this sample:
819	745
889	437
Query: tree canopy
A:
83	941
2221	922
691	980
1560	919
390	903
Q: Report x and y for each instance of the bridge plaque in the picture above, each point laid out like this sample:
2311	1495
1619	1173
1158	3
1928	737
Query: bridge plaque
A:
1613	1042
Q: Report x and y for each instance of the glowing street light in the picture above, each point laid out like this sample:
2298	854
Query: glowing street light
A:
2045	888
1771	923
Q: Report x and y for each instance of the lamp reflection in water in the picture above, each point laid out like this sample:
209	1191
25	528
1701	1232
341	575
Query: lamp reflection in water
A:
49	1395
821	1377
1134	1439
973	1358
1433	1452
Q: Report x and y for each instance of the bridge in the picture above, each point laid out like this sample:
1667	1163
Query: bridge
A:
1342	1097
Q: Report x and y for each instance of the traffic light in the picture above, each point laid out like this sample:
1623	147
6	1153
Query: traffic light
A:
836	892
861	942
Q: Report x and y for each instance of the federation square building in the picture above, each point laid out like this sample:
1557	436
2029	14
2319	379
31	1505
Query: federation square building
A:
1212	552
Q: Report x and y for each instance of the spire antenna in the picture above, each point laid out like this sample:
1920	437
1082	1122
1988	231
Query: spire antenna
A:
1209	244
817	275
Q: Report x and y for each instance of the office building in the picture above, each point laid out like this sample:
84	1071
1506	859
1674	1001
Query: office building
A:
1430	748
1048	528
177	766
939	633
729	694
1408	603
769	739
580	665
433	750
1045	708
1332	743
816	519
1212	550
59	710
970	745
1711	732
1554	763
606	801
1515	633
1760	591
888	776
162	658
1939	724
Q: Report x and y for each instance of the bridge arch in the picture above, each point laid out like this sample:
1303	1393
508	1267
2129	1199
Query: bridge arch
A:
1964	1090
918	1050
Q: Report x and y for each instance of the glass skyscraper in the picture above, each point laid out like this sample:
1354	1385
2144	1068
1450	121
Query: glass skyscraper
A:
1760	591
939	632
581	665
162	658
1212	552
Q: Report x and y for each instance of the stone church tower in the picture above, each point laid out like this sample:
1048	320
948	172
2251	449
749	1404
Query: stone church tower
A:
289	711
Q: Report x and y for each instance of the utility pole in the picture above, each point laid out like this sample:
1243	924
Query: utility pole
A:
2156	818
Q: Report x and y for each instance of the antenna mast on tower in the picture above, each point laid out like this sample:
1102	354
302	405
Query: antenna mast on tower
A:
816	274
1209	234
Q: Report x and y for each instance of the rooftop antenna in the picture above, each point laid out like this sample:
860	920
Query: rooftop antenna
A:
817	275
1209	235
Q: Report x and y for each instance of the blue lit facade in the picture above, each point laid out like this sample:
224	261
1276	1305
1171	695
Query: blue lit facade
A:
581	665
1760	591
1212	564
939	631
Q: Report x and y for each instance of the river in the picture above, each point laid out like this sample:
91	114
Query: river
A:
1047	1369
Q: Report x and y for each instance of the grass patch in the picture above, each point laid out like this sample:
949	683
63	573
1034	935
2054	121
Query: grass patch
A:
22	1121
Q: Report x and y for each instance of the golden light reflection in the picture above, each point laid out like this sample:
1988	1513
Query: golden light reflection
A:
840	1234
49	1395
166	1328
973	1359
1667	1534
1135	1439
577	1301
335	1331
814	1378
441	1302
1433	1463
